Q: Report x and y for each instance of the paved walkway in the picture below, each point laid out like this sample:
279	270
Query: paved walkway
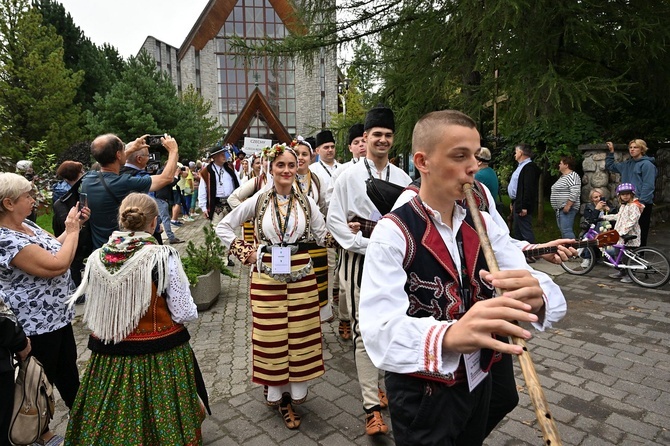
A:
605	370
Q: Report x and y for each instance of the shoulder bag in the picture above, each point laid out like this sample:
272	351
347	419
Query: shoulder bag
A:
33	403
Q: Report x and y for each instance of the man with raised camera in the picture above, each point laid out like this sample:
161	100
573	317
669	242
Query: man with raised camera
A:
108	187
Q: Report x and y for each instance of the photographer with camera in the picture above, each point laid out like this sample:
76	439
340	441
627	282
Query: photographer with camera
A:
108	187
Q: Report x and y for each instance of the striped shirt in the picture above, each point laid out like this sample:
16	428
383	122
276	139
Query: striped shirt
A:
568	187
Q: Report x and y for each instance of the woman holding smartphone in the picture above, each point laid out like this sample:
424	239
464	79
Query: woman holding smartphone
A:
73	172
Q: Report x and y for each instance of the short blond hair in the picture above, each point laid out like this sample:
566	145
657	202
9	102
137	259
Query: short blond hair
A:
641	143
427	130
12	185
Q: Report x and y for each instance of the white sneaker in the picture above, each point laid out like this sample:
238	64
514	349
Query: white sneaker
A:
626	279
585	263
618	275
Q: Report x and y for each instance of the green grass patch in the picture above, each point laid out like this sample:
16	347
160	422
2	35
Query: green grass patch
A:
44	222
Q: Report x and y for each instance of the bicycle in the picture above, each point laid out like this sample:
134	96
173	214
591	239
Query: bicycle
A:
646	266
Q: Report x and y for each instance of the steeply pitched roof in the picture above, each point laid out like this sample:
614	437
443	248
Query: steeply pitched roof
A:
215	14
256	103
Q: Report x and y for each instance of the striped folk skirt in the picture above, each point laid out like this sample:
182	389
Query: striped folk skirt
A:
319	257
286	329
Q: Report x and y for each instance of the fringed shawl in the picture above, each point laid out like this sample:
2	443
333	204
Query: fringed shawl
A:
117	298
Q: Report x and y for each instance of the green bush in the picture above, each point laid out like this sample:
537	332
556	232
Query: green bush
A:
211	255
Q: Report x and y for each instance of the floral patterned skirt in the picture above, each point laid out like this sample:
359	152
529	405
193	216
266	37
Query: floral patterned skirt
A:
146	399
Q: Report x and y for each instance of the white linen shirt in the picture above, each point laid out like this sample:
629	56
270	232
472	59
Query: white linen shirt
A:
224	186
247	210
399	343
350	200
326	174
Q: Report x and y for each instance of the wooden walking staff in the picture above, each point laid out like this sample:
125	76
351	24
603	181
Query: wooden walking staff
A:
544	417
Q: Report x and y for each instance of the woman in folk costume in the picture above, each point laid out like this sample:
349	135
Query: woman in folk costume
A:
142	382
309	184
286	334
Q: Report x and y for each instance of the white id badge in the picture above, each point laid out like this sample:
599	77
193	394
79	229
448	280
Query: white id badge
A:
473	369
281	260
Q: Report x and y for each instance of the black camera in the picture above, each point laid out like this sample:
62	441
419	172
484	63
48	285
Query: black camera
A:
183	169
153	167
154	141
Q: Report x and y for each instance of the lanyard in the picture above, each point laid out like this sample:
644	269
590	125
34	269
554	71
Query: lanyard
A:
326	169
367	166
219	173
282	230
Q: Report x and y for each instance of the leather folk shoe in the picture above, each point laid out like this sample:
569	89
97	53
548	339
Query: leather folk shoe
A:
374	424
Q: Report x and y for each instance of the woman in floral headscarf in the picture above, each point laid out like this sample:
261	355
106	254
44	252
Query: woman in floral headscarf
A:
142	383
286	335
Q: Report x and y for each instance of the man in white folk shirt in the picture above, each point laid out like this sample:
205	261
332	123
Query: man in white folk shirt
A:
350	207
428	315
357	147
217	181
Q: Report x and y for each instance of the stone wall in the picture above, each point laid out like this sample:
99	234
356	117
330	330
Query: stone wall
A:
595	175
168	56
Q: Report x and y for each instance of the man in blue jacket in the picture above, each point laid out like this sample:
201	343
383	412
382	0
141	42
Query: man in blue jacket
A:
639	170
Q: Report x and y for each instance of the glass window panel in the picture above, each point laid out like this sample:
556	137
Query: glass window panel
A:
231	91
223	119
248	13
240	90
291	121
290	105
282	91
290	91
290	77
259	15
259	30
239	28
249	31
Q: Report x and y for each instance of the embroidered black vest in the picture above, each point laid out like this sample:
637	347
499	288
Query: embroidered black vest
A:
433	281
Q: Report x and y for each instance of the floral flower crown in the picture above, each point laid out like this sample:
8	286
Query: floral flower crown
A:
270	153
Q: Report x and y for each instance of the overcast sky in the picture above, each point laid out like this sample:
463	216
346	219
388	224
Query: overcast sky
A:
125	24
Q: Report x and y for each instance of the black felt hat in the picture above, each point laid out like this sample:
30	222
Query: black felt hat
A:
323	137
216	150
380	116
312	142
356	131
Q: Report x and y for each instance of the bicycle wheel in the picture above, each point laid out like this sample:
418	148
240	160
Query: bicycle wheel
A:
657	267
582	264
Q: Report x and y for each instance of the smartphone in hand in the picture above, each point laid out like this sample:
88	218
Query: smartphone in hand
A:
83	202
